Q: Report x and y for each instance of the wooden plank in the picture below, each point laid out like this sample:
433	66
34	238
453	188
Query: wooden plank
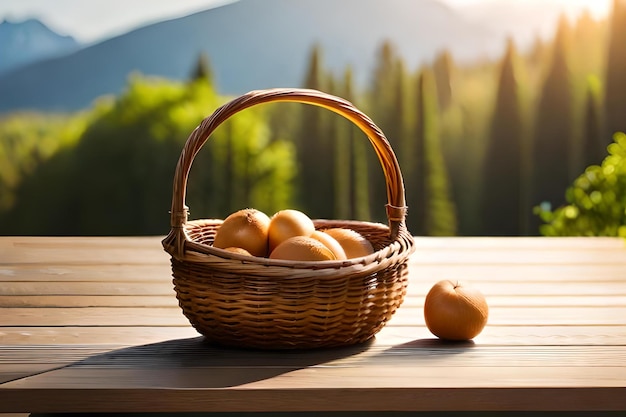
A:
50	356
419	360
530	335
69	272
538	316
118	400
390	335
94	316
265	389
509	301
72	301
72	335
13	371
518	243
417	288
415	300
9	245
191	353
420	288
147	250
406	316
82	250
86	288
527	273
598	273
507	257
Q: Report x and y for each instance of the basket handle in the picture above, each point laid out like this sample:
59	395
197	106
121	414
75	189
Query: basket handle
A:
396	205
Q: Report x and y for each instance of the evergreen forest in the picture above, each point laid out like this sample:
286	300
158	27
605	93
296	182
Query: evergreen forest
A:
529	144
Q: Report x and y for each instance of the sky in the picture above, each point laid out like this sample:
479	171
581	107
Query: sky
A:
93	20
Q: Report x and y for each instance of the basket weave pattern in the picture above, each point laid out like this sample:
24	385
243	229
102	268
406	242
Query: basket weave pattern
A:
253	302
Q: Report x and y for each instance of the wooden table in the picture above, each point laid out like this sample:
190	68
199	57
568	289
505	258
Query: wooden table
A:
92	325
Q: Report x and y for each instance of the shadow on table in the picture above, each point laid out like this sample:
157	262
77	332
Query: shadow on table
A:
424	351
436	343
194	363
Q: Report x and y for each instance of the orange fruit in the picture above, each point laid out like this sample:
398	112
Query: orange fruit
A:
288	223
302	248
246	229
352	242
240	251
454	311
331	243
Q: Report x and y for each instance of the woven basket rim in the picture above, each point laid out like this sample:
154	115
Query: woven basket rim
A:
221	259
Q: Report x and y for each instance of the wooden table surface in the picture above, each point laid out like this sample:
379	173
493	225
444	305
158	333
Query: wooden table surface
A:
92	324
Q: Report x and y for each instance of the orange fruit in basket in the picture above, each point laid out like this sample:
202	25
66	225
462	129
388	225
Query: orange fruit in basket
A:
353	243
454	311
331	243
288	223
246	229
302	248
240	251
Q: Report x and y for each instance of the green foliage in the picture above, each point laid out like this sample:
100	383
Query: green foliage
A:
117	178
597	199
28	140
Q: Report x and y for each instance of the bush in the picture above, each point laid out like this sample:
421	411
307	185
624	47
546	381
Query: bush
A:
597	199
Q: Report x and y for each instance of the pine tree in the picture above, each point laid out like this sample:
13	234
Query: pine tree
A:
431	211
202	70
396	115
315	148
383	82
382	102
501	206
359	148
443	68
615	97
553	141
594	148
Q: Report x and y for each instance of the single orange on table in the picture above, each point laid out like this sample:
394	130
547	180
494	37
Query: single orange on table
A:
454	311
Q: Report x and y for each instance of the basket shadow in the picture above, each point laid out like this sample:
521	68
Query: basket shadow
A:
422	351
436	343
194	363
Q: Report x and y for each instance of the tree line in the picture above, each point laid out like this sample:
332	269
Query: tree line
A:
491	148
512	147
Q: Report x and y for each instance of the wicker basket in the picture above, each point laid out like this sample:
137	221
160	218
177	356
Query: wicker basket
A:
253	302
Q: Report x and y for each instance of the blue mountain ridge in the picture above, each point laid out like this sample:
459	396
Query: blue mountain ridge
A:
29	41
251	44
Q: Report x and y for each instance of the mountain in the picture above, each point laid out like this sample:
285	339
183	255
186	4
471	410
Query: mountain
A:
251	44
29	41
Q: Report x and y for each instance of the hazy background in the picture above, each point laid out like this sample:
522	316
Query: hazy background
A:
97	20
501	113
